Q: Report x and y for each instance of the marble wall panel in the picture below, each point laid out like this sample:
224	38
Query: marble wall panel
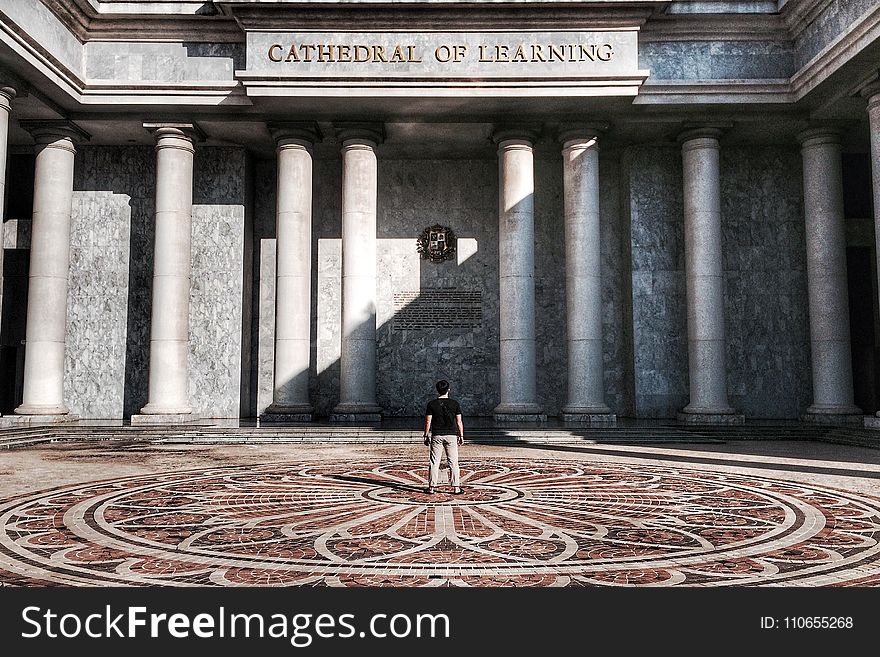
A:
765	290
107	351
653	179
216	290
717	60
828	26
165	62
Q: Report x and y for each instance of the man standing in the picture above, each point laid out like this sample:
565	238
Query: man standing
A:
444	431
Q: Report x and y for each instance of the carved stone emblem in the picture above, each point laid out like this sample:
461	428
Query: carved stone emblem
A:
437	243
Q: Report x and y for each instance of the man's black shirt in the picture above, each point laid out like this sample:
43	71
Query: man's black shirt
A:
443	424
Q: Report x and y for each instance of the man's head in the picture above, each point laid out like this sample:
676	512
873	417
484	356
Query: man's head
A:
442	387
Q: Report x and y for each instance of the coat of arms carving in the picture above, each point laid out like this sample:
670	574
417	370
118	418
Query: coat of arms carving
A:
437	243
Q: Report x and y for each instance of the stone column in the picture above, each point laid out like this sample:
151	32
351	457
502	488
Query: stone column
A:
516	271
6	96
172	262
707	366
293	276
826	278
583	278
872	94
357	375
45	336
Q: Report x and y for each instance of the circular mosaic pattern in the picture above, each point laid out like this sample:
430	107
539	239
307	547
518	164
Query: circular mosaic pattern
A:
519	522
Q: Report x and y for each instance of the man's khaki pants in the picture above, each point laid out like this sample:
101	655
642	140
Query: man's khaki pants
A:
439	444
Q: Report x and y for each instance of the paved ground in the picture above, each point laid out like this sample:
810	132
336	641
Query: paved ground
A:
738	513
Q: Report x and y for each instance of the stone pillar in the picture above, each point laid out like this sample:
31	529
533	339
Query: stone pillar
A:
516	271
293	275
172	262
872	94
583	278
707	366
45	337
357	375
6	96
826	278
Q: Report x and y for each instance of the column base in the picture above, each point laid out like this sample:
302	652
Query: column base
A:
287	413
37	419
42	409
686	417
871	422
845	415
594	419
148	419
356	413
519	413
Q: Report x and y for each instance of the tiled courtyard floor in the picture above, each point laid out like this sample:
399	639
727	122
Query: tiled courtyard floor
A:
746	513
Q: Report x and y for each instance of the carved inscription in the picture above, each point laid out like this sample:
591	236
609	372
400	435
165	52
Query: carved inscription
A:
437	308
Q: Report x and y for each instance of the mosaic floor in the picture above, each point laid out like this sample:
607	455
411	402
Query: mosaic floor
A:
520	522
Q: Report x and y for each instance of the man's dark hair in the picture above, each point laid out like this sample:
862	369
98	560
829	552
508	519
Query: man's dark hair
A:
442	386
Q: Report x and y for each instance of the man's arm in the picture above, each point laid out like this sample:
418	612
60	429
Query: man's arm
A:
428	419
460	429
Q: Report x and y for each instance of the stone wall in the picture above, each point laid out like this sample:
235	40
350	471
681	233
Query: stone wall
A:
766	311
717	60
837	17
765	282
111	260
652	195
109	302
461	194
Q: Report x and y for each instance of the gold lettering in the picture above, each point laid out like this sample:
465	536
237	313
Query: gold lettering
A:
443	53
344	51
607	52
538	54
459	53
362	53
325	53
588	54
483	57
520	55
557	52
397	57
292	55
272	48
379	54
307	49
411	55
502	53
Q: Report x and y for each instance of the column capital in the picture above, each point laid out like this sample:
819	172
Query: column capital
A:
821	133
359	131
692	131
189	131
871	93
569	133
46	131
295	131
529	132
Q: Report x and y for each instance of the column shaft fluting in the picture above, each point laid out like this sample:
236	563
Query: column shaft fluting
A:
293	282
357	376
43	392
516	272
583	278
873	96
707	367
826	275
172	263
